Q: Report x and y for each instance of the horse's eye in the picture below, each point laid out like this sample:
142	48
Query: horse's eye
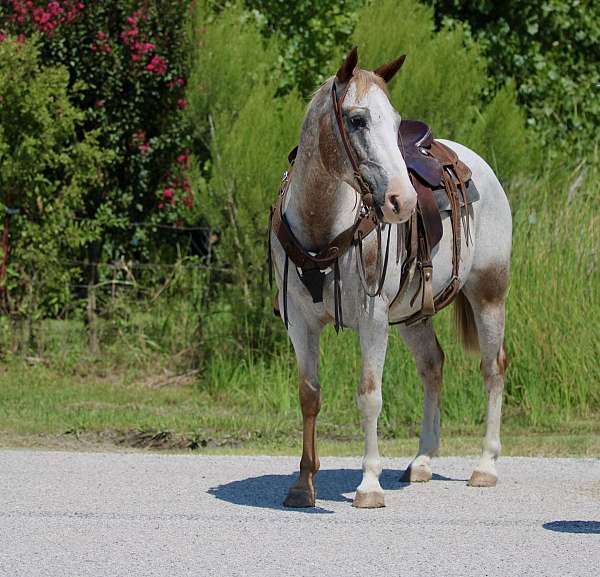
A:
358	122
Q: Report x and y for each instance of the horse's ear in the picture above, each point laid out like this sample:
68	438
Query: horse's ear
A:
387	71
344	74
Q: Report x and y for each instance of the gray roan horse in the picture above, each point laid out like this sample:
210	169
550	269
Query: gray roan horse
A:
322	199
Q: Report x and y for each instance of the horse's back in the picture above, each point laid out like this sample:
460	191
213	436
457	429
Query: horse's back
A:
492	226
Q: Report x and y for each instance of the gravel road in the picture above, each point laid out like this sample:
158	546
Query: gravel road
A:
138	514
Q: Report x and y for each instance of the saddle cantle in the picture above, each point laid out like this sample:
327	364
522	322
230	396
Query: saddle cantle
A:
426	159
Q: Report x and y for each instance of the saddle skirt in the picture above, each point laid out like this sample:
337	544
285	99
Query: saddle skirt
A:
426	160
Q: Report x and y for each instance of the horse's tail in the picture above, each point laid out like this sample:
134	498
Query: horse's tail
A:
465	323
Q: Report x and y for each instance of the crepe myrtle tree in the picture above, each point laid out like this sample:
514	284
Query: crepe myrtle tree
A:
128	59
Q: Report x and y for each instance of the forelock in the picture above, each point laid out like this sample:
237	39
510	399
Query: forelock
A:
364	79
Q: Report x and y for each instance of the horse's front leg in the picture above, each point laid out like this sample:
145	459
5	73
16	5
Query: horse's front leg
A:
305	339
373	342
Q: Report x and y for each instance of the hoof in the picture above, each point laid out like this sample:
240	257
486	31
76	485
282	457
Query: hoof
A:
482	479
370	500
416	475
299	498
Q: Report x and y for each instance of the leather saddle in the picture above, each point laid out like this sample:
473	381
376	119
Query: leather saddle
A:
426	160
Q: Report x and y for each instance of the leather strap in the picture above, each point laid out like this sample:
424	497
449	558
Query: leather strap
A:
363	187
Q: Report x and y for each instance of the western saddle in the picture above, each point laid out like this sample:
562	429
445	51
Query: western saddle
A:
443	185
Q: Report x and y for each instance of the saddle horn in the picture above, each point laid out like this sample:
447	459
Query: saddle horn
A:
388	71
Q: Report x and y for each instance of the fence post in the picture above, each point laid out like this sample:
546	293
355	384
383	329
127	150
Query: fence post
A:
8	212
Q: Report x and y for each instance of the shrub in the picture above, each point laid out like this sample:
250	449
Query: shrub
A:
309	34
46	171
249	133
443	81
128	59
551	48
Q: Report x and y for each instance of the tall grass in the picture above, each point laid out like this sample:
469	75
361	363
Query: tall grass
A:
551	333
241	386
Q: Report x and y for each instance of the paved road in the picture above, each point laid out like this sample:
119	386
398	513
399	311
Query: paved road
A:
113	515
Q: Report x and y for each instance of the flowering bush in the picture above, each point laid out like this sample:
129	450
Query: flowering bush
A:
129	57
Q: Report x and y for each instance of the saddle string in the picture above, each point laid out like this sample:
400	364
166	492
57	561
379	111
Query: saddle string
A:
337	297
285	287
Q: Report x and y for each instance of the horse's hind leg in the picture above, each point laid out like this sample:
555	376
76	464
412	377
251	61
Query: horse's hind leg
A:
486	294
429	357
305	340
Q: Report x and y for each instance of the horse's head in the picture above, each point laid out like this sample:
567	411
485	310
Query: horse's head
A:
367	138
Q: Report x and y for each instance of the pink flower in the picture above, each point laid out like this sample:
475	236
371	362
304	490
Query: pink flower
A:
182	159
144	148
101	36
100	103
139	136
182	103
2	36
161	205
21	39
158	65
168	193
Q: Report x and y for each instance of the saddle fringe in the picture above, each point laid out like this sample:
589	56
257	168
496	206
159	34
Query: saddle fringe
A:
465	323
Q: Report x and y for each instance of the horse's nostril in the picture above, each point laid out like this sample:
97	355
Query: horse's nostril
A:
395	204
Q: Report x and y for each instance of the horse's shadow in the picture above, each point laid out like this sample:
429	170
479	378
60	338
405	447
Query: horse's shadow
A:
589	527
269	491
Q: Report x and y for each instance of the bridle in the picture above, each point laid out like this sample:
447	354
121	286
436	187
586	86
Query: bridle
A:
366	194
363	188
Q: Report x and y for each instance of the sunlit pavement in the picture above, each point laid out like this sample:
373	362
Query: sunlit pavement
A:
130	514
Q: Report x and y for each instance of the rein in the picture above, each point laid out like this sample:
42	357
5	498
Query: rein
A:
366	196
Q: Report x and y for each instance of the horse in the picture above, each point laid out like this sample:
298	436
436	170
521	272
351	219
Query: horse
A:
346	147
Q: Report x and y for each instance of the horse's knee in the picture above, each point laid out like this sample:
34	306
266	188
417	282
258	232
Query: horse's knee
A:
369	404
310	397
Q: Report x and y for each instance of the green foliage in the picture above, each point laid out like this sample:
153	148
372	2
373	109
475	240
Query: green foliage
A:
128	60
250	133
310	34
442	82
551	48
46	170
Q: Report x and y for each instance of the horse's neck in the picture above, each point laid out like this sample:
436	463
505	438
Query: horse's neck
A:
319	206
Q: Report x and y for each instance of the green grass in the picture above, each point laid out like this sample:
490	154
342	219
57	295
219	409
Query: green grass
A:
246	390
